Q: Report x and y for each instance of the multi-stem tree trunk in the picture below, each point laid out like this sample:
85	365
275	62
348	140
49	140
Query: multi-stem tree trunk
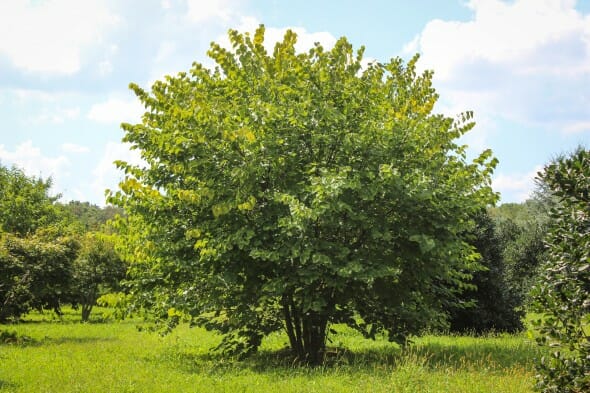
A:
306	331
86	310
88	301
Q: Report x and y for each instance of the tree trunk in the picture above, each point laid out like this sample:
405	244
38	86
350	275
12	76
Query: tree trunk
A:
306	332
88	300
86	309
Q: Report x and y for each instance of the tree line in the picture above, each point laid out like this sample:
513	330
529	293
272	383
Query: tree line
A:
52	253
55	254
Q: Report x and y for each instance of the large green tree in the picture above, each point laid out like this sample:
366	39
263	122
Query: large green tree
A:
293	190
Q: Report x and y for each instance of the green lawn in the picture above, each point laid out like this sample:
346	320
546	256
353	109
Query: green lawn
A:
66	356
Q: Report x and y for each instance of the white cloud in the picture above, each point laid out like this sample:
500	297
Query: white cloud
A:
74	148
166	49
26	95
106	174
578	127
116	110
202	11
507	33
515	187
105	67
56	115
50	36
526	61
32	161
44	107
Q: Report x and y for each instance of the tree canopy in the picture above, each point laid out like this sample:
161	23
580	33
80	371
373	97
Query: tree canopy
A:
293	190
98	269
35	273
89	217
25	203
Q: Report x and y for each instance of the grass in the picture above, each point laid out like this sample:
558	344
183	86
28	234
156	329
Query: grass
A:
66	356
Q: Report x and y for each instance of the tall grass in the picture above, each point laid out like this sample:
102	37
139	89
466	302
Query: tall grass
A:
66	356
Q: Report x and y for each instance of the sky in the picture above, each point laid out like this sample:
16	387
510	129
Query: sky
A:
522	66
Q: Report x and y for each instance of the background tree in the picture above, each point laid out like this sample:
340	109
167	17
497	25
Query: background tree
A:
292	191
491	304
37	246
90	217
35	273
97	270
563	293
521	229
25	203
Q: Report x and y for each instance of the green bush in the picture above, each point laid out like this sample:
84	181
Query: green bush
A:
562	295
35	273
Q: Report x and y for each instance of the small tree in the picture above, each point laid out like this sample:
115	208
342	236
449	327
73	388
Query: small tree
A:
98	269
291	191
35	273
563	293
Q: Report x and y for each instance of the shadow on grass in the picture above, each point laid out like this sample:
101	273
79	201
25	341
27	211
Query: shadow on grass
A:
475	354
7	385
26	341
479	354
75	340
98	320
67	316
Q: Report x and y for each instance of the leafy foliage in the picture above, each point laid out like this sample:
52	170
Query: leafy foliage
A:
90	217
97	270
491	305
293	191
521	230
25	204
39	244
35	273
563	294
36	253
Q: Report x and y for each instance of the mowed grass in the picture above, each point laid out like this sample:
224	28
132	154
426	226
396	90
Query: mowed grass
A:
66	356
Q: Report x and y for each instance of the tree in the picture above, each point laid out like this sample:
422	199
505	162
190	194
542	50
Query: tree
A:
35	273
89	217
36	246
491	305
25	203
562	295
521	229
293	191
97	270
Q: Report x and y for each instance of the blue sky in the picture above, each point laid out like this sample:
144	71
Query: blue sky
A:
522	66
